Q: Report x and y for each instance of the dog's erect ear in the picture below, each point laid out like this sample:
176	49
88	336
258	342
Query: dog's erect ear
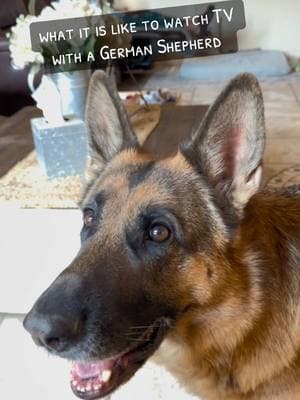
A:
108	126
229	144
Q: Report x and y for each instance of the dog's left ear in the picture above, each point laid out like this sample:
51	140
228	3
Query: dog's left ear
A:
108	127
229	145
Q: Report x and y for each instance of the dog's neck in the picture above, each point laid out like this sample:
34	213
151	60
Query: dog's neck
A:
252	332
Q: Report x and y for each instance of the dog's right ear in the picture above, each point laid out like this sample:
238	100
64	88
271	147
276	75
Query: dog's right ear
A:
108	126
229	144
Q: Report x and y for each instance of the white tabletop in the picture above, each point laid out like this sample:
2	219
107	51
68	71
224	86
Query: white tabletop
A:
35	246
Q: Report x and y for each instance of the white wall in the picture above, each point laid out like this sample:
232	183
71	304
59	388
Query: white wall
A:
271	24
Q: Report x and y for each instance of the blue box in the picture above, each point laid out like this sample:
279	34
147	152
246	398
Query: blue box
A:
61	150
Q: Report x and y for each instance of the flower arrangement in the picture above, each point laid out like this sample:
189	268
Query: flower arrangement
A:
19	36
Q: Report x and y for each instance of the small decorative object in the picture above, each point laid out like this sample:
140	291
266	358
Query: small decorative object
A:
72	86
61	149
60	143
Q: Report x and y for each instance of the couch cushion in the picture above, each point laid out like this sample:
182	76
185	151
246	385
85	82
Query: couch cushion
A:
9	11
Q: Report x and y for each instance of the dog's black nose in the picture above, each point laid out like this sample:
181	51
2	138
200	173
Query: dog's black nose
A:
55	332
56	320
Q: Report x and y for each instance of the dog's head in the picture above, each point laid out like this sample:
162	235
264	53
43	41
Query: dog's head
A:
153	236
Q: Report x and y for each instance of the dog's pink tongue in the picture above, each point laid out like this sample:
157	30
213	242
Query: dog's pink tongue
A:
87	370
90	370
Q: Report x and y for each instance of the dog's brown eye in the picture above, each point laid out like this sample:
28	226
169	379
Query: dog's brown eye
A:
159	233
88	218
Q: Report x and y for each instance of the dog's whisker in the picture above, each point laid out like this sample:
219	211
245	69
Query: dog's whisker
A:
140	327
131	340
134	334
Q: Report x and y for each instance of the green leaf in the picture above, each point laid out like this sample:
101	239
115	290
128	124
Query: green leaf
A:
31	7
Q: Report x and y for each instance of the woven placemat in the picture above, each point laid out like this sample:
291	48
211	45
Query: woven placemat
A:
26	186
286	176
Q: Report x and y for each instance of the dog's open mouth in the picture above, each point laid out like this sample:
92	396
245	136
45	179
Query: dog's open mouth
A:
92	380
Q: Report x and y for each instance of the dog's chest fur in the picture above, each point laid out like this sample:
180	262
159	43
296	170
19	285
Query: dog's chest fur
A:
204	384
179	361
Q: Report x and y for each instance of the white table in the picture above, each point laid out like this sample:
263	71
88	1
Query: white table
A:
35	246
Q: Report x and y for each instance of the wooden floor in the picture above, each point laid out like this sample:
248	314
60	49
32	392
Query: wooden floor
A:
15	137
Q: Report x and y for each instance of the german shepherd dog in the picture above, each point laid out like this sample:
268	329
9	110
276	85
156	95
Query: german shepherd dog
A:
185	257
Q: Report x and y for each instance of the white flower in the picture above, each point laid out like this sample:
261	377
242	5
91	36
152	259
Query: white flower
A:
69	9
20	43
47	13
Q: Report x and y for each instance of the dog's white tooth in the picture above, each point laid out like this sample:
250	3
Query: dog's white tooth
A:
96	387
89	387
106	374
74	383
